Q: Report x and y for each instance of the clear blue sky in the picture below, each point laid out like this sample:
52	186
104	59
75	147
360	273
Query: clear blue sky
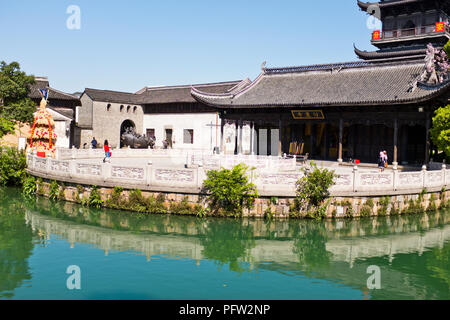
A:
126	45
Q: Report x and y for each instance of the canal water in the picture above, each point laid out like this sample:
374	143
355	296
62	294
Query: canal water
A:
123	255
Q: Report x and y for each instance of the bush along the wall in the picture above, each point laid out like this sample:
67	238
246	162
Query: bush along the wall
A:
54	191
229	192
367	208
384	206
313	191
432	207
94	200
29	186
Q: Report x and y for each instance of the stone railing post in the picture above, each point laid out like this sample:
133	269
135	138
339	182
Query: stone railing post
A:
48	166
149	172
106	171
396	178
355	179
72	168
424	173
200	176
444	174
74	153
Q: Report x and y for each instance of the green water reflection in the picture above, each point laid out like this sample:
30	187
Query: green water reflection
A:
412	251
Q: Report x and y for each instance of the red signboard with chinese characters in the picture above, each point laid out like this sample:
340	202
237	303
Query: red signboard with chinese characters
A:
440	26
376	35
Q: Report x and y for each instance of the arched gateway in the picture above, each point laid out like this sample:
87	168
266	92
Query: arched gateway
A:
127	124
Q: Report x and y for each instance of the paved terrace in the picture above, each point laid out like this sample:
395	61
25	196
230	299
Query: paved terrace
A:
184	172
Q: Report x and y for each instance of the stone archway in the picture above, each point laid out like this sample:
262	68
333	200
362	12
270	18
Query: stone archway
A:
127	124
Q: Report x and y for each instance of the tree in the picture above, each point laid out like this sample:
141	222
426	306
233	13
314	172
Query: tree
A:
15	106
447	48
440	132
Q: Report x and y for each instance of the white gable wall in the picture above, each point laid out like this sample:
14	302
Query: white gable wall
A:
204	134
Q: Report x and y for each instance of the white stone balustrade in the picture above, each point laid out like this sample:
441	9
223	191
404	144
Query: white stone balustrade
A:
269	181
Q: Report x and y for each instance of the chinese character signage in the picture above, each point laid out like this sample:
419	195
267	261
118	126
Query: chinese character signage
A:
376	35
308	114
440	26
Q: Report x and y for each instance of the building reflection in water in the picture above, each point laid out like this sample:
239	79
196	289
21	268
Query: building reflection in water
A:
405	247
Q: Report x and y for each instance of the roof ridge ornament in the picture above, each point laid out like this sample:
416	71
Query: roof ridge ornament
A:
437	67
263	66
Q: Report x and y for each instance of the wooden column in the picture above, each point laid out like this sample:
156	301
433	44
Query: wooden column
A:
252	126
222	124
427	142
326	142
241	123
395	161
341	133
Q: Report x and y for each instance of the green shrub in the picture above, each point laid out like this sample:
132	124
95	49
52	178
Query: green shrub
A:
29	186
62	194
313	190
432	205
54	191
181	208
384	202
268	213
13	164
40	186
115	199
94	200
229	191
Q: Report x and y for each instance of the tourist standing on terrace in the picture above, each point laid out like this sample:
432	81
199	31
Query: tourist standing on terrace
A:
381	161
107	151
94	143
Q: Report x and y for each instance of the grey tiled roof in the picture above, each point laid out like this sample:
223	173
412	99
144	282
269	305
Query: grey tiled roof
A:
355	83
112	96
159	95
182	94
53	94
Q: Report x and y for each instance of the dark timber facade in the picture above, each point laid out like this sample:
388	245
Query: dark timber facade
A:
351	110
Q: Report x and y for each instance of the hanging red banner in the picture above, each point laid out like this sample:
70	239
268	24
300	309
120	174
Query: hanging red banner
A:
440	26
376	35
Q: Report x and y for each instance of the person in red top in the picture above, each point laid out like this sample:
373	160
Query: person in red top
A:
107	151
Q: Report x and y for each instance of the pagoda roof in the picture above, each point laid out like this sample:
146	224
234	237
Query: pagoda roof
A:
42	83
389	54
342	84
387	4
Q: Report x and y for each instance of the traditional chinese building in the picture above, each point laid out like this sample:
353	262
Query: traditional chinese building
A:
351	110
168	113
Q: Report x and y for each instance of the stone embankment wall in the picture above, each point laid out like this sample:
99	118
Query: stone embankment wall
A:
340	207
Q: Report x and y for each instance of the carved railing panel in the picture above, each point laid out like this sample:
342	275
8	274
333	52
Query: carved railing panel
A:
434	178
410	180
127	173
59	166
88	169
40	164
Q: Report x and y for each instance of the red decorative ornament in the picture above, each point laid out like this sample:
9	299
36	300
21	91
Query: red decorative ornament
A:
376	35
440	26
